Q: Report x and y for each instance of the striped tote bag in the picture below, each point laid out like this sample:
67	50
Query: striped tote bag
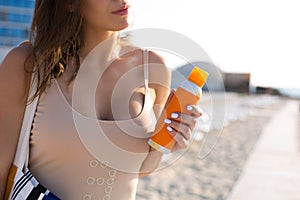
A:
21	184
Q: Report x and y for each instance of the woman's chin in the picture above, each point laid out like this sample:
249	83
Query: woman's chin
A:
121	26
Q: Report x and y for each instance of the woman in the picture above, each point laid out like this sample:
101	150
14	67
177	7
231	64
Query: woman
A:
65	33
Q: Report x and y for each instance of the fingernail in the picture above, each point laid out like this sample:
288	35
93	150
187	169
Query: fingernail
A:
169	128
167	121
174	115
189	108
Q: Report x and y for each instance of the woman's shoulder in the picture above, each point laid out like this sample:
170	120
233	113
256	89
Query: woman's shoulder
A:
156	62
23	50
17	56
130	50
12	69
159	74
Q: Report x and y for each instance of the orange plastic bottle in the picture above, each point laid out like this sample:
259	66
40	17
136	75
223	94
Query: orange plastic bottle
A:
188	93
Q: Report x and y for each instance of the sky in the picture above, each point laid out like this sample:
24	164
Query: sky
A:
261	37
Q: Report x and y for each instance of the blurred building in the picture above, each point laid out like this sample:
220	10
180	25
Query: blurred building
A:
15	20
267	90
237	82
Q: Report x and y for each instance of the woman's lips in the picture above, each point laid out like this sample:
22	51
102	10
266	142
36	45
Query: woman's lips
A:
121	11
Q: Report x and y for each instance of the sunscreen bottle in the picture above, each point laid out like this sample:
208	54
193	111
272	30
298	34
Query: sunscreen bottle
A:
188	93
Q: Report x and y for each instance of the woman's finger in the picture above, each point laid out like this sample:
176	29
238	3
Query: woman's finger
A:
181	141
195	111
185	119
180	128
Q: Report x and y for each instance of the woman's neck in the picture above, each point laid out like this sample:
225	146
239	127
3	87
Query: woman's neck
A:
91	39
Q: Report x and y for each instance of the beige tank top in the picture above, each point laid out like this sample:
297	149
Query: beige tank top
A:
75	162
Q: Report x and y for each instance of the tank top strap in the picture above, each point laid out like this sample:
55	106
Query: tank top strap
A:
146	68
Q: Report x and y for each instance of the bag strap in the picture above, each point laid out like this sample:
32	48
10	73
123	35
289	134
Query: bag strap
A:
22	153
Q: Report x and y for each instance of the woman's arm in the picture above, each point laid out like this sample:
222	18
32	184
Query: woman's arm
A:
182	126
12	105
159	80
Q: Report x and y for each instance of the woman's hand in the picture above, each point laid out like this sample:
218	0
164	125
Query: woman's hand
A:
181	126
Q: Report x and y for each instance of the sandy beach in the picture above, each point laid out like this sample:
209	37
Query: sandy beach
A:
213	177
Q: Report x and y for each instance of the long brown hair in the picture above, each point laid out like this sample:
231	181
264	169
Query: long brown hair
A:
56	39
